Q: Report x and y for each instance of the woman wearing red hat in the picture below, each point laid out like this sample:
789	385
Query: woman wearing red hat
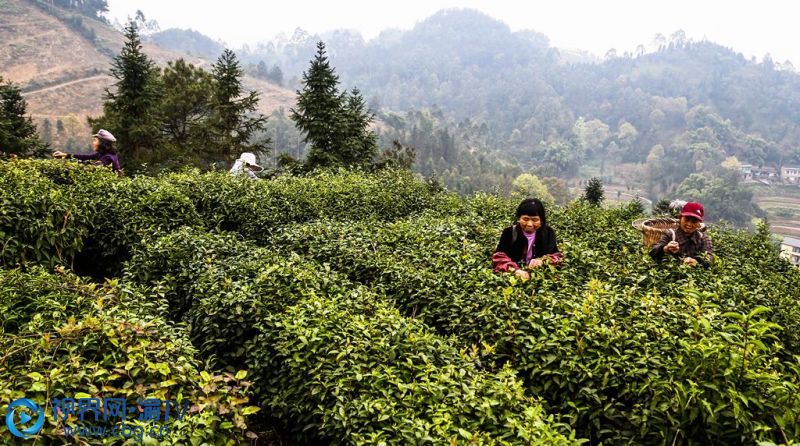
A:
104	153
686	242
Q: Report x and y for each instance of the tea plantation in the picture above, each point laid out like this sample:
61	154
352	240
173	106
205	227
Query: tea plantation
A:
360	308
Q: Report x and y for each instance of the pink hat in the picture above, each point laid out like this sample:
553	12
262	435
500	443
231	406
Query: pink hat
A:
106	135
693	209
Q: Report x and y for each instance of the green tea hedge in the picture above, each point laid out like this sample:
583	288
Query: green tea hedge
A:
625	350
61	337
387	378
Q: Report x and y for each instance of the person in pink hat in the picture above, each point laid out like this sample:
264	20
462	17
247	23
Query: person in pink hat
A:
687	243
103	152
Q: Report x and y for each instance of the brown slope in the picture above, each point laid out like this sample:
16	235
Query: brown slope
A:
64	74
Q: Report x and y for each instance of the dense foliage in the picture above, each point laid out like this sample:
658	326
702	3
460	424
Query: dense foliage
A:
334	361
366	311
17	131
627	351
62	337
185	116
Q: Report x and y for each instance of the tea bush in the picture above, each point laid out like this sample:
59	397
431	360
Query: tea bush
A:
624	351
53	210
372	376
263	305
224	286
39	223
256	208
61	337
608	340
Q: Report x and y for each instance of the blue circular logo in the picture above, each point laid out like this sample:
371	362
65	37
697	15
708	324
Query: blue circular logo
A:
24	418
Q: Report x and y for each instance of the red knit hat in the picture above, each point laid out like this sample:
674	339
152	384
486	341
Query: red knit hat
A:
693	209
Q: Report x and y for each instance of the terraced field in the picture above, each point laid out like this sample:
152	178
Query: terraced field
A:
782	205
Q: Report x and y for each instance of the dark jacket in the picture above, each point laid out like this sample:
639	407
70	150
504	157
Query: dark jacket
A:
698	246
513	247
106	159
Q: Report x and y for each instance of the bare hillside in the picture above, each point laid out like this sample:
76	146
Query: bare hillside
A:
62	65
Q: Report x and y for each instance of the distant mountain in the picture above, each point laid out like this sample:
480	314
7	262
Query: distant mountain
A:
473	67
61	60
188	41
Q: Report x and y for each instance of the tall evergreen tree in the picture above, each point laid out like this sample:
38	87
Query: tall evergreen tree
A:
132	111
17	131
336	125
186	106
318	109
360	144
47	132
275	75
234	123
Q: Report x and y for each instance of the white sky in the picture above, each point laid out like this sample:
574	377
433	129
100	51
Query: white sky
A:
753	28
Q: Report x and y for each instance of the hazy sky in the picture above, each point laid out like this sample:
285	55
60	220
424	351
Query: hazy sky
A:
750	27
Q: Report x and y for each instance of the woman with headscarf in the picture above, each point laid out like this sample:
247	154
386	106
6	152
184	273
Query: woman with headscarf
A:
103	153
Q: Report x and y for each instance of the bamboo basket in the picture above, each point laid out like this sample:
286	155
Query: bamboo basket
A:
653	228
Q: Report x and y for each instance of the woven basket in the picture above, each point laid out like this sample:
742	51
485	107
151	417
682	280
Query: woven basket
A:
653	228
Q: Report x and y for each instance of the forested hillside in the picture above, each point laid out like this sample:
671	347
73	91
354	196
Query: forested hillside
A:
494	98
472	66
480	105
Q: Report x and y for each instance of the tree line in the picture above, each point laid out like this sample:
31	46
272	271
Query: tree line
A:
183	115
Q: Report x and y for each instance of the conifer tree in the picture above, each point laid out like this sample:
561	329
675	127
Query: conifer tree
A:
47	132
17	132
336	125
360	144
234	123
186	107
318	109
593	193
131	111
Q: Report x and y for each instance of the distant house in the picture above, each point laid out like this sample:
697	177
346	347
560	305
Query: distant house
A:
766	174
790	174
790	250
746	170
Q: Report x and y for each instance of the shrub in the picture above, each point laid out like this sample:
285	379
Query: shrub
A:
372	376
611	343
254	310
63	337
38	222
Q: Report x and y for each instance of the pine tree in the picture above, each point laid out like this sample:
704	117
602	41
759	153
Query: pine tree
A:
234	125
360	144
132	111
186	106
397	156
275	75
318	109
336	125
593	193
17	132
